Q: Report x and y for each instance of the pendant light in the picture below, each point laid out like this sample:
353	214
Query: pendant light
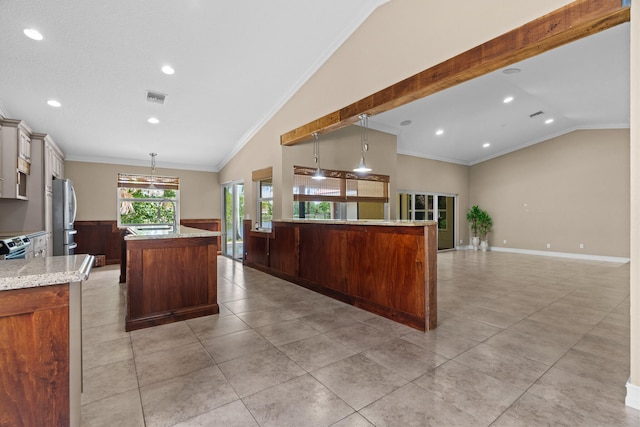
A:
316	158
152	184
364	144
153	163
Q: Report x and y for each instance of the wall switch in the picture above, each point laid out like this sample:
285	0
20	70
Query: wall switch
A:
461	241
581	245
504	242
548	245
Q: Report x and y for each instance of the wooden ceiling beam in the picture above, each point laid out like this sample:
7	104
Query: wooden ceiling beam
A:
574	21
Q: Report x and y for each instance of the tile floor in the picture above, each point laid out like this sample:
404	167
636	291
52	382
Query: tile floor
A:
522	341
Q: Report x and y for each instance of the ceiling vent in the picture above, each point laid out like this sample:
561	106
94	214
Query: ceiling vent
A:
537	113
156	97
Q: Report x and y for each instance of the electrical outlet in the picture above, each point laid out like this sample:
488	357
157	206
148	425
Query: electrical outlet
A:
504	242
581	245
461	241
548	245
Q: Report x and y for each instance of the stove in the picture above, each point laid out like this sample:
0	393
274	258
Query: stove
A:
14	247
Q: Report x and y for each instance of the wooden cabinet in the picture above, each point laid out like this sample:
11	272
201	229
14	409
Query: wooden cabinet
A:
24	146
170	279
40	370
48	163
386	269
53	162
16	159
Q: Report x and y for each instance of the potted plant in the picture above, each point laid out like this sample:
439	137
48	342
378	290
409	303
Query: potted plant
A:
472	217
485	223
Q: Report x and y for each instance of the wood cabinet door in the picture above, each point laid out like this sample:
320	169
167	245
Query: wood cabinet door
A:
34	357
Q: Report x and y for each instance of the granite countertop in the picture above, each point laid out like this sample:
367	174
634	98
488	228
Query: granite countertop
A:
31	273
146	233
27	233
390	223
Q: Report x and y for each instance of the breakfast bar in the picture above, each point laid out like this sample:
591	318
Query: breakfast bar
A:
385	267
171	275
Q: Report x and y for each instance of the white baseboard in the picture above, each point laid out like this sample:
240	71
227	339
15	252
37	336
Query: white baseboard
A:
633	396
553	254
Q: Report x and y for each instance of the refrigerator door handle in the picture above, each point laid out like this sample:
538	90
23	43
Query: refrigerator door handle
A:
75	205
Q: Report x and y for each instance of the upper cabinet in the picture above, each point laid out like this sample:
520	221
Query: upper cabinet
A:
16	158
24	148
53	159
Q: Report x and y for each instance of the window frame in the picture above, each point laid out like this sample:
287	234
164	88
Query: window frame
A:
147	182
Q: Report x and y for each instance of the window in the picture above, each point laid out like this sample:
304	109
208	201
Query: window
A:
265	202
314	210
264	180
341	195
148	199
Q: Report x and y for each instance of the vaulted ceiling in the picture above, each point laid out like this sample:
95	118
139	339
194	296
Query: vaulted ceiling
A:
237	63
582	85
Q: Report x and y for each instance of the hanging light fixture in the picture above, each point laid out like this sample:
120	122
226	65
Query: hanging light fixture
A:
152	179
364	144
153	163
316	158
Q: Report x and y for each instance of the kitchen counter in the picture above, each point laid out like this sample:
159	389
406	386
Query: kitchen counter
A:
27	233
41	340
31	273
163	232
170	275
386	267
388	223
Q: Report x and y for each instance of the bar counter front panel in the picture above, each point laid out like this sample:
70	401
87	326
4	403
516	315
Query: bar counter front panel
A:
388	268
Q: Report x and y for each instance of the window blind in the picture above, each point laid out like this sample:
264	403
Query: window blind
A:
339	186
127	180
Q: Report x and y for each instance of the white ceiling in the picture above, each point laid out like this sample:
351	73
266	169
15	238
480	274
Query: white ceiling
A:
583	85
236	63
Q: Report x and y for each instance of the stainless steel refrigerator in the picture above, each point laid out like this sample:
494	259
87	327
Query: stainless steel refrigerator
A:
64	215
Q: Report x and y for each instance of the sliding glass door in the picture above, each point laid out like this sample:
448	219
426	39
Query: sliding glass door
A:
233	213
431	207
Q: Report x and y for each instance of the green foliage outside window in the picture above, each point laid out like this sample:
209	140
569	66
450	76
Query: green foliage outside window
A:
158	209
313	210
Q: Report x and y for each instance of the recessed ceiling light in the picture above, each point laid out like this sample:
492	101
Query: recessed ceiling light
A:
153	120
508	99
439	132
33	34
54	103
405	123
168	69
486	145
548	121
511	70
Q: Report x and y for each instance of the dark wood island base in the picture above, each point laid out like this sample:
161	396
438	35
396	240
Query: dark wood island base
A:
171	277
387	268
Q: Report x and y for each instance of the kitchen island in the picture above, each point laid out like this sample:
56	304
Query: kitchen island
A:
385	267
40	340
171	275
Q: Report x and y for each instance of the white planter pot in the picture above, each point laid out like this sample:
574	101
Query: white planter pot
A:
475	242
484	245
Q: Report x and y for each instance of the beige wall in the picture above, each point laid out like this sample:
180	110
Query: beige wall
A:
634	398
565	191
95	185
